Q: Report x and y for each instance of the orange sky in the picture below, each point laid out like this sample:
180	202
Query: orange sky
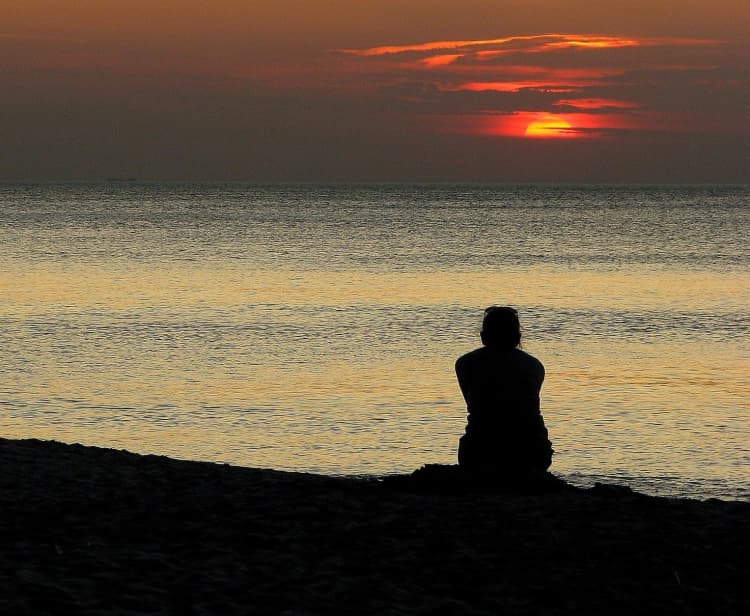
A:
438	90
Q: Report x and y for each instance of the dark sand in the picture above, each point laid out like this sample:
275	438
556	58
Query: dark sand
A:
98	531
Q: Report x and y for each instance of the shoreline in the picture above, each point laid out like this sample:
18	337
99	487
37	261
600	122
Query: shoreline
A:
92	531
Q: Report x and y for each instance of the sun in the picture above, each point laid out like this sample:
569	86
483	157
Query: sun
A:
549	126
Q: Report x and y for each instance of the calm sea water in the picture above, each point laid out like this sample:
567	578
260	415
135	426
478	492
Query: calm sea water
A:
314	328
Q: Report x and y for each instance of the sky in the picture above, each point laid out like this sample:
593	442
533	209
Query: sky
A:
361	91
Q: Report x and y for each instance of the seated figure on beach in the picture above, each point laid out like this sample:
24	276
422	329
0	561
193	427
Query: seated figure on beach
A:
505	435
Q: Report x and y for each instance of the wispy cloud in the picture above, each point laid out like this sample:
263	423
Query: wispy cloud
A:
595	103
516	86
585	84
441	59
437	46
541	42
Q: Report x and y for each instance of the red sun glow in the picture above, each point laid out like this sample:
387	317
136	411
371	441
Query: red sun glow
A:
518	92
548	126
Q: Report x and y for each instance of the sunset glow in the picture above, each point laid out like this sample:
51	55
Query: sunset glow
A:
580	126
548	126
323	90
557	79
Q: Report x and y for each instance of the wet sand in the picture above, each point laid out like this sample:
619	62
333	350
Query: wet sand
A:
97	531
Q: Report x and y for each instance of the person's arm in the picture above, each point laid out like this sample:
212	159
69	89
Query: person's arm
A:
462	380
542	374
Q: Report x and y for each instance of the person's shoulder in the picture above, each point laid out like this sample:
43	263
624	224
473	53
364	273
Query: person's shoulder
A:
470	357
530	360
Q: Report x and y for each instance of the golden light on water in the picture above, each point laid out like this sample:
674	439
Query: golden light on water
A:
123	288
292	410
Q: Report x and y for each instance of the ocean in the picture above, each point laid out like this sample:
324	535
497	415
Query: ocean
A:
315	327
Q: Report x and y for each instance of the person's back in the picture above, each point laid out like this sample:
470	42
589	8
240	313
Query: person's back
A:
501	383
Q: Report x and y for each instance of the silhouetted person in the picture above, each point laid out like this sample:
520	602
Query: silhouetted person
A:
505	434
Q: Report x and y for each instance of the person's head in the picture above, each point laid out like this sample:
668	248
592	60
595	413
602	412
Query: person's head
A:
501	328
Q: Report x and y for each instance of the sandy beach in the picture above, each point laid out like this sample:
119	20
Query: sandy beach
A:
96	531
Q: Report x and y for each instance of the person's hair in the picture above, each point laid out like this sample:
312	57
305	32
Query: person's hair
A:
501	328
